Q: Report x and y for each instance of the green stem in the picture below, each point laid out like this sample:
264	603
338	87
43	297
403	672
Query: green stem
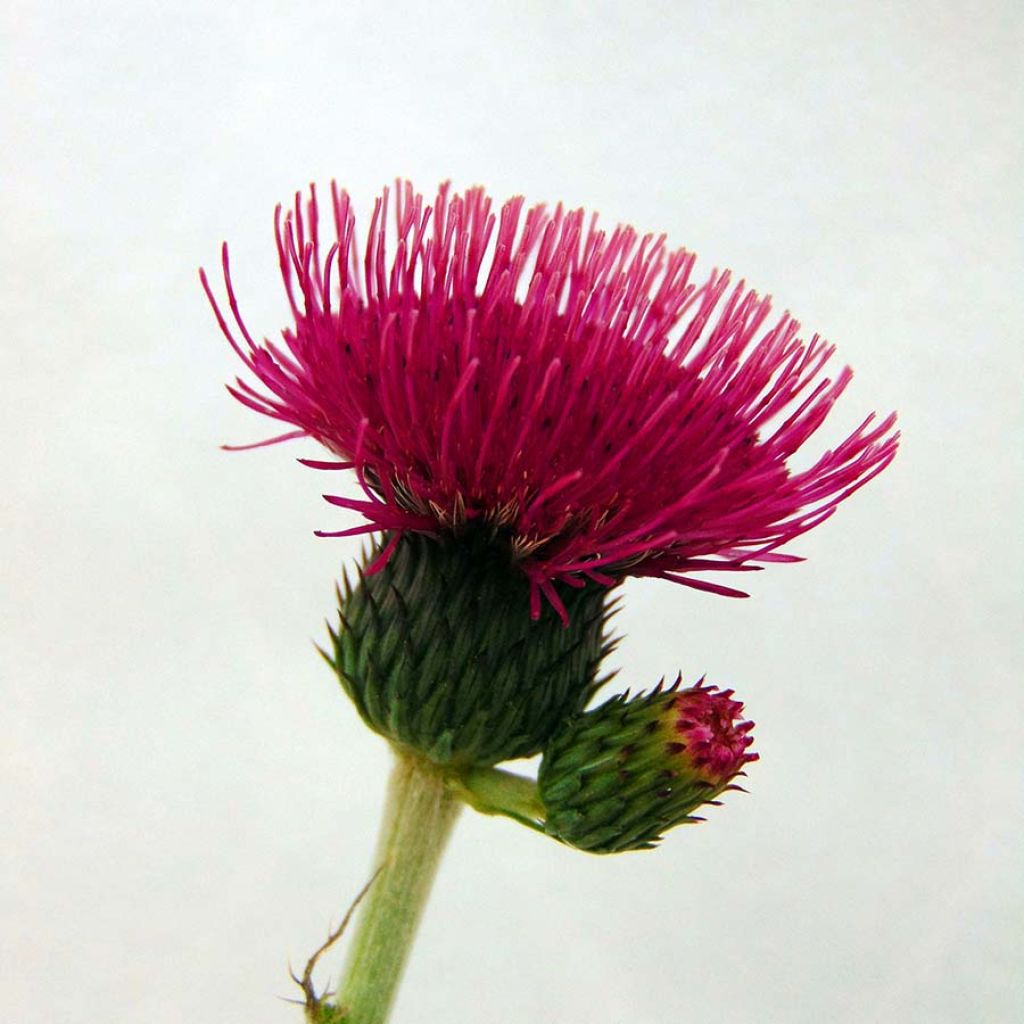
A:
496	791
418	818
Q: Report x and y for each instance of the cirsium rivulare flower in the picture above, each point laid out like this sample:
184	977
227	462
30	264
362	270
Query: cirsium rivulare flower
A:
617	777
578	392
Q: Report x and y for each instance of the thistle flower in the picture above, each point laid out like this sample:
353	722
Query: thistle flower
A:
619	776
578	395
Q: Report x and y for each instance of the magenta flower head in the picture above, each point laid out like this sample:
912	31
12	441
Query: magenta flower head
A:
578	396
619	776
534	409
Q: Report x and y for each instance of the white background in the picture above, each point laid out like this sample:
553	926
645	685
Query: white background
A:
187	798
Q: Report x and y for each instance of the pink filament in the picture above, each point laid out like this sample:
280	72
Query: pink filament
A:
574	387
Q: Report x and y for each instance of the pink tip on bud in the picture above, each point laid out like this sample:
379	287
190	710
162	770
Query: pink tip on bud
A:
710	733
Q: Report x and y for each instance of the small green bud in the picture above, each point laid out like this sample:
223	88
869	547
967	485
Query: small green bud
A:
439	653
621	775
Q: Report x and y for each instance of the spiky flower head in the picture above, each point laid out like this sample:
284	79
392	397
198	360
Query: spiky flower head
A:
579	395
617	777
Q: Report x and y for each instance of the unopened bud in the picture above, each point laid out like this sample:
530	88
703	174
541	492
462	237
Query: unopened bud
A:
621	775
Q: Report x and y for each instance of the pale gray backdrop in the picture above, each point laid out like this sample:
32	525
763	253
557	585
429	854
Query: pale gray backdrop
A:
188	800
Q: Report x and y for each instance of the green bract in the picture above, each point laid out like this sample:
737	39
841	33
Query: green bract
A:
438	651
